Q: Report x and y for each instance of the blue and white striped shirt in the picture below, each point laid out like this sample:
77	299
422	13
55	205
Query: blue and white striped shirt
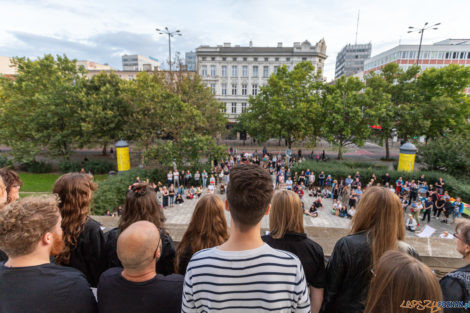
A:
258	280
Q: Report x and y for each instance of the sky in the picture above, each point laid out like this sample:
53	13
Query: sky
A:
104	30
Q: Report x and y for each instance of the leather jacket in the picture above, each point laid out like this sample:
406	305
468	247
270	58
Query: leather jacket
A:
349	273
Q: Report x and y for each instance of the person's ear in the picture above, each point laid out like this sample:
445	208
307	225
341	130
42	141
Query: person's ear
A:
47	239
227	208
268	209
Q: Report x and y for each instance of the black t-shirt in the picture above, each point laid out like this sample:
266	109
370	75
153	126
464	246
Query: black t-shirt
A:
3	256
87	256
44	288
159	294
165	264
308	251
428	204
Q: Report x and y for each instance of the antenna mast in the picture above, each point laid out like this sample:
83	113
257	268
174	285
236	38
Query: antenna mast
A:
357	25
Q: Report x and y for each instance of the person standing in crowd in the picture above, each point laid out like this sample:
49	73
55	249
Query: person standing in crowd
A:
83	237
321	179
30	232
439	205
197	179
448	209
344	196
142	205
377	226
207	229
204	179
399	277
188	178
171	195
169	178
137	287
287	233
386	179
12	183
165	197
176	178
216	277
454	285
458	209
440	186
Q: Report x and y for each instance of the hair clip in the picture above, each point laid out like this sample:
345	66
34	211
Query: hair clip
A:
138	193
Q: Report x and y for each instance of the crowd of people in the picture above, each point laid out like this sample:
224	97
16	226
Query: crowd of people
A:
52	251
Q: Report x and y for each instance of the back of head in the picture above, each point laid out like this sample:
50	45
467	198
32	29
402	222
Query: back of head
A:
207	228
380	213
249	193
75	192
286	214
10	179
142	205
399	277
24	222
137	245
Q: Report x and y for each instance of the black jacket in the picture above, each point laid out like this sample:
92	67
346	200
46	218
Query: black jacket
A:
3	256
456	287
87	256
349	273
165	264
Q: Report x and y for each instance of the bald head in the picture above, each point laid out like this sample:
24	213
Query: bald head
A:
137	244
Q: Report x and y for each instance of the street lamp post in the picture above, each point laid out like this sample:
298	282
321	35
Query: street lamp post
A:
170	34
412	29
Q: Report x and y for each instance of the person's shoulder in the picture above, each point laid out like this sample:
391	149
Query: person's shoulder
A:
92	225
111	272
64	273
172	278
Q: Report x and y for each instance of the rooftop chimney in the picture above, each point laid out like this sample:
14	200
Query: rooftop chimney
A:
279	44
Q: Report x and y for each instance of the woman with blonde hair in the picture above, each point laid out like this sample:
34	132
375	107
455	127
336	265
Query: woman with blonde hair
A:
400	280
83	238
207	229
286	226
377	226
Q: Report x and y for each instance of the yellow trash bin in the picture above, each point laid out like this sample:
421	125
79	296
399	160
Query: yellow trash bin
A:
406	162
122	155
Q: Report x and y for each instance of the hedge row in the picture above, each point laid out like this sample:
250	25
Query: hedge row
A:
338	170
94	166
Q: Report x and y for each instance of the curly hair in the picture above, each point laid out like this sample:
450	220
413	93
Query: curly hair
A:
142	205
24	222
75	192
208	227
3	191
11	179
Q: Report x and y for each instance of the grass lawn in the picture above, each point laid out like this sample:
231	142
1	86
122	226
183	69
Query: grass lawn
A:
44	182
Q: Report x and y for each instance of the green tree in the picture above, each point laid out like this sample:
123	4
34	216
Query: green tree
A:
281	107
346	113
106	112
42	106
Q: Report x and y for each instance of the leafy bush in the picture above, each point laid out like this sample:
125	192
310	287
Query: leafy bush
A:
450	154
4	161
94	166
36	167
339	171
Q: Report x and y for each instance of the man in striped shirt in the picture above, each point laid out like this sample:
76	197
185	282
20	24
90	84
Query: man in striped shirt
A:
244	274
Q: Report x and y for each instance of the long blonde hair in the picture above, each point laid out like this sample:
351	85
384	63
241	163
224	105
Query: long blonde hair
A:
399	277
286	214
380	213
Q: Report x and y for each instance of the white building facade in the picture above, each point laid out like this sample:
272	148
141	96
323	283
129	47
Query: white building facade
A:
139	63
235	73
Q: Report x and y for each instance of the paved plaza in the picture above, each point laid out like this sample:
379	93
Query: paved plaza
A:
181	214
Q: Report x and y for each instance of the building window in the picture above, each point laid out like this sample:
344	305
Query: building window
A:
243	107
287	59
204	71
462	55
454	55
224	59
234	59
224	108
275	68
213	58
224	89
254	91
203	58
213	88
234	71
224	70
234	108
212	70
265	71
245	59
255	59
255	71
447	55
304	59
245	71
266	59
234	89
276	59
244	89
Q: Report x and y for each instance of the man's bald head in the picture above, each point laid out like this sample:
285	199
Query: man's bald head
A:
137	244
